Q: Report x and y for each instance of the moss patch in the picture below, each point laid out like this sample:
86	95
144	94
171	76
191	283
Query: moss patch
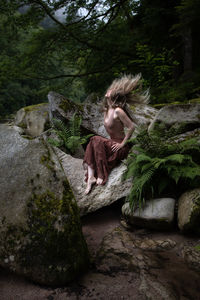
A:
195	215
160	105
193	224
33	107
56	234
46	159
51	249
67	105
48	247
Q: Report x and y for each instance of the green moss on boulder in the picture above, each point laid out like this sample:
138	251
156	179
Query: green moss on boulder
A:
189	212
40	228
34	119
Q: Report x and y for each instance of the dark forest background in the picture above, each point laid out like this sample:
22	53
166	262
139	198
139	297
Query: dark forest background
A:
78	47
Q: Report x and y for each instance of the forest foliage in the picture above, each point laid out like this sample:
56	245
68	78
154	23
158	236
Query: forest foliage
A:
161	165
94	42
69	138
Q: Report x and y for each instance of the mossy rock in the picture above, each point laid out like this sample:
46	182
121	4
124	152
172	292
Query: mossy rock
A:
161	105
92	114
177	118
40	229
34	119
189	212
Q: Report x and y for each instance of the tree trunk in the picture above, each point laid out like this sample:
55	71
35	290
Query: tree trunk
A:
187	43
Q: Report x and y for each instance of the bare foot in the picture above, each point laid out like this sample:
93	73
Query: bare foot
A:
99	181
90	183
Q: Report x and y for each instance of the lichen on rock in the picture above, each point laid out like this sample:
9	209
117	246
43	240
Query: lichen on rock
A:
33	119
40	229
189	211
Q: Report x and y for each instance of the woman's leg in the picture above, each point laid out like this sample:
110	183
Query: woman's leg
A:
91	180
99	181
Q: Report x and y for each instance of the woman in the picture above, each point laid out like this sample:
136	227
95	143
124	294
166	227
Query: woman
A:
102	154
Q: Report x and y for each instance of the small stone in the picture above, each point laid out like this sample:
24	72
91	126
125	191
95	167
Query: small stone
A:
156	214
11	258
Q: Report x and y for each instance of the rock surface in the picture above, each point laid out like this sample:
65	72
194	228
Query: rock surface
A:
192	257
186	135
156	214
180	117
100	196
189	211
91	112
33	119
152	266
62	108
40	230
145	256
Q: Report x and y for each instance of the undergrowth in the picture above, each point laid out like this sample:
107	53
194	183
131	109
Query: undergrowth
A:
160	165
68	135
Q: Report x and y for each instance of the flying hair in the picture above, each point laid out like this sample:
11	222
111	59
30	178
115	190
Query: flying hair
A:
127	90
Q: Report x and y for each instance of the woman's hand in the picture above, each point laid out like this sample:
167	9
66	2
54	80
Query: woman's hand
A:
116	146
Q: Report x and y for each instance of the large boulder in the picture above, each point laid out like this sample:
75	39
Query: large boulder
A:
40	230
62	108
179	118
91	112
156	214
100	196
33	119
189	211
186	136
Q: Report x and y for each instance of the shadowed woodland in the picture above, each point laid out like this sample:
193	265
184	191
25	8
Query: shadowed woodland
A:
78	47
76	246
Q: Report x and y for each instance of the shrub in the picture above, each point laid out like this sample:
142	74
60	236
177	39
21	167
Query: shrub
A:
159	164
69	136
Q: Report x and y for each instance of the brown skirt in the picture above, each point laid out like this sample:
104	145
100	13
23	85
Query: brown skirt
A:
100	157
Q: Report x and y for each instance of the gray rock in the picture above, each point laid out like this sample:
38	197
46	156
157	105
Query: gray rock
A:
187	135
189	211
179	117
62	108
91	112
40	230
122	251
192	256
33	119
156	214
100	196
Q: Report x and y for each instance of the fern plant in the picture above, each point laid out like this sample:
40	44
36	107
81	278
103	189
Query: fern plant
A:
69	136
157	164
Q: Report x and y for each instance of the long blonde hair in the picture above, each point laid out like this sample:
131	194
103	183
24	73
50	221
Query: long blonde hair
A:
126	90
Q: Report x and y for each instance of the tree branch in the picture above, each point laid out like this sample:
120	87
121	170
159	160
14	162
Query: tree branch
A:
67	26
78	75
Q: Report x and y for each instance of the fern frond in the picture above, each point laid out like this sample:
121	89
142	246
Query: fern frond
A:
142	158
74	125
185	172
157	161
137	191
69	135
146	167
55	143
176	158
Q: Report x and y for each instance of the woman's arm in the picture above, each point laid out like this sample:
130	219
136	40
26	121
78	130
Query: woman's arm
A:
127	123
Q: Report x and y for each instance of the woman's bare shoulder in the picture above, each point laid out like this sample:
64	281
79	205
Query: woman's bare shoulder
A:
119	111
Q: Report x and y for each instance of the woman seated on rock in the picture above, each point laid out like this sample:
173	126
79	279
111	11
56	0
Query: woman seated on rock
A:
102	154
